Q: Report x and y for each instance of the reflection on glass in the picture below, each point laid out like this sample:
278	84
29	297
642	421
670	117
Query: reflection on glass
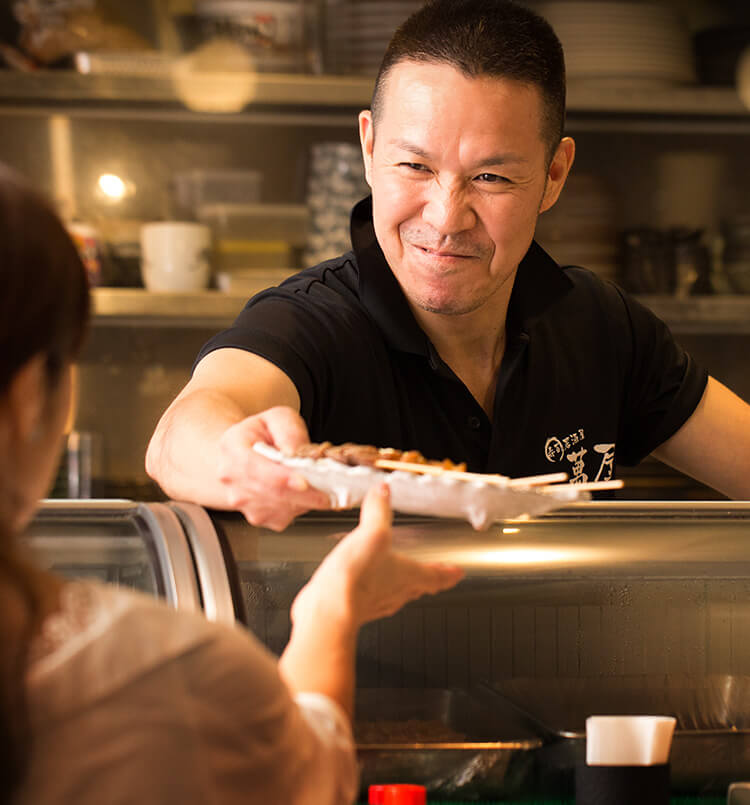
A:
110	549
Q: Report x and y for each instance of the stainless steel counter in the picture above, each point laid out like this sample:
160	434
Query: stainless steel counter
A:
601	607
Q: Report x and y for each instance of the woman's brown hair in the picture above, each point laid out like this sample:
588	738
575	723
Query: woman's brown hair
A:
44	310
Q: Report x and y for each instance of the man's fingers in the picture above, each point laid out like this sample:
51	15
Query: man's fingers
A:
286	428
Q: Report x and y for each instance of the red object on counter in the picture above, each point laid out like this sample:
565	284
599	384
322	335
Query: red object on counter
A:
404	795
397	794
375	794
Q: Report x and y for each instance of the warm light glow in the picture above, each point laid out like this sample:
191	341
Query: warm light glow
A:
219	77
535	556
112	186
511	530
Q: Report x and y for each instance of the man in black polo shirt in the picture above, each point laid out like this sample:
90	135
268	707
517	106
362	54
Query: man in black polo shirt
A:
447	329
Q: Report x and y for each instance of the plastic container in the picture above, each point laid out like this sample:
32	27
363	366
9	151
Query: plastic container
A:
196	188
275	22
276	34
251	281
259	222
233	255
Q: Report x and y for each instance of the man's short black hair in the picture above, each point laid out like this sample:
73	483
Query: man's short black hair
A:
494	38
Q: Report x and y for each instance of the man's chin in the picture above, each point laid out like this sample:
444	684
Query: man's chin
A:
448	307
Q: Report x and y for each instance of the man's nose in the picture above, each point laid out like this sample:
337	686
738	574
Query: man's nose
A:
447	209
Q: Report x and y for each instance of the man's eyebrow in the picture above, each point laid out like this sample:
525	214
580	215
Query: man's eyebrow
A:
405	145
494	159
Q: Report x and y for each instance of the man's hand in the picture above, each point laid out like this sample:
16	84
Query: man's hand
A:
202	448
266	493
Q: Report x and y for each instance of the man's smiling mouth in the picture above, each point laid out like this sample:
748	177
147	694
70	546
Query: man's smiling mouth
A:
443	253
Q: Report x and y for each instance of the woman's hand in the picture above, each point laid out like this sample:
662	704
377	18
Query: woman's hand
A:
363	579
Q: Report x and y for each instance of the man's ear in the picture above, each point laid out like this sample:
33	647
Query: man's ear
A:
367	141
559	169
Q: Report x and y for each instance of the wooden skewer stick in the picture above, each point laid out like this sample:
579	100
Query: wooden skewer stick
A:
536	480
425	469
500	480
434	469
593	486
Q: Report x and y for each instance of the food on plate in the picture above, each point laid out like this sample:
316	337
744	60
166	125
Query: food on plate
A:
436	489
355	455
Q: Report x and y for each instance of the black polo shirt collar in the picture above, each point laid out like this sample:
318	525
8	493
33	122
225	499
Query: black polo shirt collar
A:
539	283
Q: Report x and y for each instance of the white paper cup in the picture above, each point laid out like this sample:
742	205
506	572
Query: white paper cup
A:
175	256
628	740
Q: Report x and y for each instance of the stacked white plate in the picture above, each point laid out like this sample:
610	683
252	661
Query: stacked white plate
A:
581	229
621	43
358	33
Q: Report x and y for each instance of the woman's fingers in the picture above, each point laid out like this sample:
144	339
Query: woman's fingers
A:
376	513
372	537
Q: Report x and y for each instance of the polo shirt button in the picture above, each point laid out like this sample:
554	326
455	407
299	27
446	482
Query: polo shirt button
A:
474	423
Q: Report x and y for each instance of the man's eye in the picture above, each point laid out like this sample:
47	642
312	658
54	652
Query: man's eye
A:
416	166
491	178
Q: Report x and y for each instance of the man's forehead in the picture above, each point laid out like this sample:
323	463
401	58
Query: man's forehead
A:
425	88
405	73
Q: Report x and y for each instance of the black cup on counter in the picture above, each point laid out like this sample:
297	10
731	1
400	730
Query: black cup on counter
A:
622	785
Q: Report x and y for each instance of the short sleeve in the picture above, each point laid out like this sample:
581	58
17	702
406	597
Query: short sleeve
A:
201	715
263	744
314	329
664	385
287	333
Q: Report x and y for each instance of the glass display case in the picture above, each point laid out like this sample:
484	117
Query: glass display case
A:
137	545
483	690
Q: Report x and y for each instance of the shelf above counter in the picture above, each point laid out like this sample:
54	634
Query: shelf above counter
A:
710	315
67	88
123	307
703	315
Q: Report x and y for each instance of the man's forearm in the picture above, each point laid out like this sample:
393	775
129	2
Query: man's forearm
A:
183	457
713	446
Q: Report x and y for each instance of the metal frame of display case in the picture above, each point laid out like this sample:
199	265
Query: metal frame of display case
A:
161	530
210	563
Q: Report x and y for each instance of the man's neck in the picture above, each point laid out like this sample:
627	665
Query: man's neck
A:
472	344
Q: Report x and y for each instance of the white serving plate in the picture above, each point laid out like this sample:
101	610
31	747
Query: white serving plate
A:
479	502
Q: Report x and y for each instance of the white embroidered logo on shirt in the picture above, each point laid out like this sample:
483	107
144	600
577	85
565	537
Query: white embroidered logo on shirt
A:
556	449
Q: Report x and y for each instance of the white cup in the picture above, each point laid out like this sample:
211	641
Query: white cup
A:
628	740
175	256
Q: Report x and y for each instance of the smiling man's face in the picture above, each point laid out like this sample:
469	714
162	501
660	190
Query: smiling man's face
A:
458	171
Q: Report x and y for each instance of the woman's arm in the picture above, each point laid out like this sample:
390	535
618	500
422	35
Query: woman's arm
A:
360	580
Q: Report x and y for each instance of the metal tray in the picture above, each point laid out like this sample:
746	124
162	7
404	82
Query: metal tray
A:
711	745
493	758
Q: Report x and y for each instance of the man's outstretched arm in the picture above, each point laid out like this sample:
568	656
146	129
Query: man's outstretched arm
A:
201	450
713	446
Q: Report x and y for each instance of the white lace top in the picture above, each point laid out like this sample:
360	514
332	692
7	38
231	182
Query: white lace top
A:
131	702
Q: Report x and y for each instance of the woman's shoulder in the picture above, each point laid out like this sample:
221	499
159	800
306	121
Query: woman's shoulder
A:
89	609
104	638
